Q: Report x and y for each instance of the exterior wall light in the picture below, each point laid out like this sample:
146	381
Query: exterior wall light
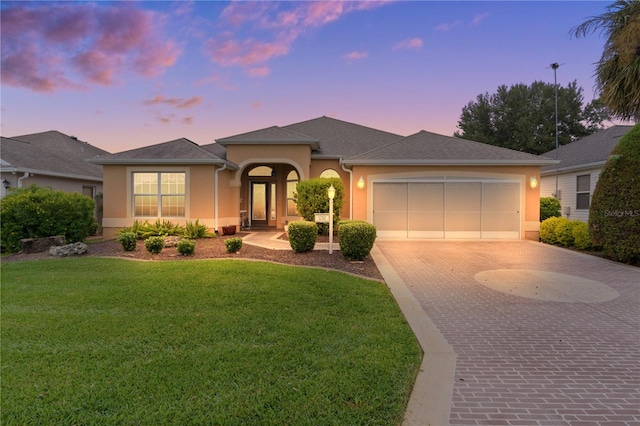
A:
533	182
6	184
361	183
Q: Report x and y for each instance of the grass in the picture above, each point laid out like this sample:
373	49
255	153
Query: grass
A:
228	342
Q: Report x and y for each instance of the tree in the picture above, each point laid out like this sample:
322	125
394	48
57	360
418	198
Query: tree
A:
311	197
614	214
522	117
618	71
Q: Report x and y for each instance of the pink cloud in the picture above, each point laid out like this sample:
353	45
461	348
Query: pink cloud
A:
259	72
256	104
71	45
187	121
355	56
285	27
479	18
180	103
413	43
448	26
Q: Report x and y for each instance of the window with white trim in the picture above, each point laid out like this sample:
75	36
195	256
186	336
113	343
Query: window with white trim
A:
329	173
159	194
583	192
292	183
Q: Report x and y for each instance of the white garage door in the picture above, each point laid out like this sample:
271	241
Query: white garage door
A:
447	209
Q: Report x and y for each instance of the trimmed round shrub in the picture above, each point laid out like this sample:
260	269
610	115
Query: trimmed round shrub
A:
548	229
356	239
233	245
564	232
129	240
186	247
549	207
154	244
581	237
302	235
614	217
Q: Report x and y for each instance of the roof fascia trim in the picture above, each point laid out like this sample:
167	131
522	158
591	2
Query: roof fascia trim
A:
426	162
578	167
49	173
315	144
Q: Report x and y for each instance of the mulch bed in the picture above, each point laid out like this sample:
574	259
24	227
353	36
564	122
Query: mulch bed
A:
214	248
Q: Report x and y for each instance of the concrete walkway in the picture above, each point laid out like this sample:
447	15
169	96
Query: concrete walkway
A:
272	241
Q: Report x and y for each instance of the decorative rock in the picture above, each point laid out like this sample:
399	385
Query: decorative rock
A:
171	241
38	245
68	250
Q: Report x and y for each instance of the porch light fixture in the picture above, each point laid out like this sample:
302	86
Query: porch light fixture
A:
6	183
331	192
533	182
361	183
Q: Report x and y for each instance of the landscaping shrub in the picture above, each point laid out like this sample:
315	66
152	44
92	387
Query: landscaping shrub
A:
548	229
581	237
614	217
233	245
311	197
186	247
160	228
129	240
302	235
356	239
549	207
37	212
196	230
564	232
154	244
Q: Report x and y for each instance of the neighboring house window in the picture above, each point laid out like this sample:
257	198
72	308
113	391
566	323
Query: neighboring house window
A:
329	173
292	182
583	192
159	194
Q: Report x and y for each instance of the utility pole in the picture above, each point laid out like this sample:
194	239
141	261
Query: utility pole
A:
555	67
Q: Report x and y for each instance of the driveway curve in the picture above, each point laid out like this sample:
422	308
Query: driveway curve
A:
523	360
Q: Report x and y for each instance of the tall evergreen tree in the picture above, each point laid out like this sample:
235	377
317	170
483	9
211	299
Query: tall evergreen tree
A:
522	117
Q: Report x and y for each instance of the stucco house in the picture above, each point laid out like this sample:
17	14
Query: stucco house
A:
421	186
573	180
50	159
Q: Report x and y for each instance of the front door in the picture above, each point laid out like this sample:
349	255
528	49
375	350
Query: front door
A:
259	203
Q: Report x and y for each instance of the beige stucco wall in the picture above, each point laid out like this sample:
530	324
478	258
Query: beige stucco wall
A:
200	196
530	223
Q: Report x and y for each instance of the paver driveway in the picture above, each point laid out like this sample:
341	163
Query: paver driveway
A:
522	360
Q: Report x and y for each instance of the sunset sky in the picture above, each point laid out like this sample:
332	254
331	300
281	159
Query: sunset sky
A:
122	75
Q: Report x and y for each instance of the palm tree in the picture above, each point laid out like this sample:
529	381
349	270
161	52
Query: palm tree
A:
618	71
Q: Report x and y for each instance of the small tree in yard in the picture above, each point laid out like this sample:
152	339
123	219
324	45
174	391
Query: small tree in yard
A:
37	212
549	207
311	197
614	215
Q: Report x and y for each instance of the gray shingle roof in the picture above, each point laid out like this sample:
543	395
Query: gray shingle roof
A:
431	148
51	152
179	151
272	134
590	150
340	138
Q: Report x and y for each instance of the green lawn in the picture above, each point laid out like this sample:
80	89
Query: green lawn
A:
228	342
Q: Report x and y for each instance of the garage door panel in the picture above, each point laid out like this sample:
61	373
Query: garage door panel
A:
500	221
463	196
389	197
426	197
390	221
462	221
500	197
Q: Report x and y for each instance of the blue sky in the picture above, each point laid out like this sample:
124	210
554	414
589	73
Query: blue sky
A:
121	75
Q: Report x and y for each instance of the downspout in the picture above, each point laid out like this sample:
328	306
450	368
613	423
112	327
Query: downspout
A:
350	188
215	197
26	175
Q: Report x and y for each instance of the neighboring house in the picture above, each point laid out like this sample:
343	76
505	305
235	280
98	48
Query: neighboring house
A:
421	186
50	159
573	180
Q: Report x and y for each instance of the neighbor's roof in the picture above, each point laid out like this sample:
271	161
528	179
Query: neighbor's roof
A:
340	138
426	148
179	151
50	153
590	151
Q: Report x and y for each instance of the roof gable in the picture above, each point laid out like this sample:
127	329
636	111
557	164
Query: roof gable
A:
340	138
270	135
52	152
431	148
590	150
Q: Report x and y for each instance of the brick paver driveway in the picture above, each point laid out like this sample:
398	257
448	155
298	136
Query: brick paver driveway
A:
524	361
